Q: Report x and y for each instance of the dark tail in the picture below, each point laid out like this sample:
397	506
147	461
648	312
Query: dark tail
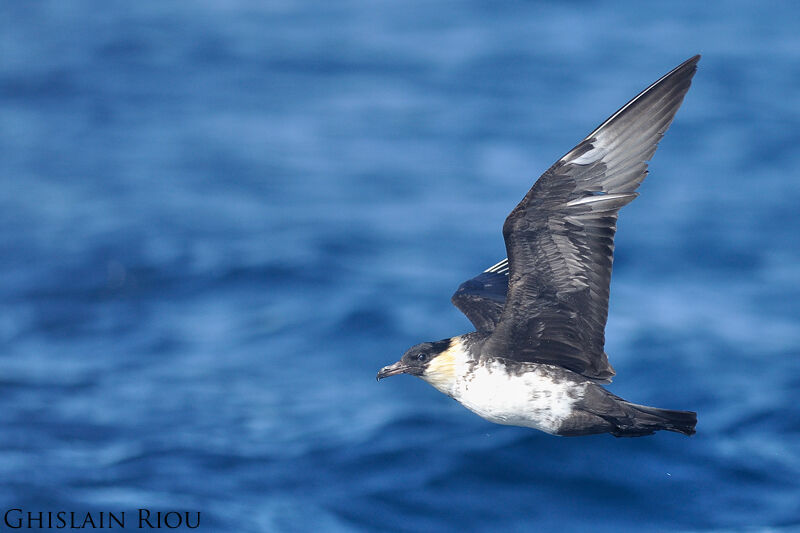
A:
644	420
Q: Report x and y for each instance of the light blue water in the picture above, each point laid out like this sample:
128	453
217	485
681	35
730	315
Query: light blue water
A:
219	219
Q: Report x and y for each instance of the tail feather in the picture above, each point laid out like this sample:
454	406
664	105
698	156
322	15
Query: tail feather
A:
646	420
603	412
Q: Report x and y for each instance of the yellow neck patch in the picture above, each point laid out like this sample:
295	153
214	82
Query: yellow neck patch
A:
441	371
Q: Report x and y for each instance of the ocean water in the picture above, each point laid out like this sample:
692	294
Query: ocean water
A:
221	218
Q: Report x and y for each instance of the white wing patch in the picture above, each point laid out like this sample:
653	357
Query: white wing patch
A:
595	154
500	267
597	198
600	149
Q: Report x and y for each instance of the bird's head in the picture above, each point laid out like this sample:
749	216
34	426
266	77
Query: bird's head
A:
434	362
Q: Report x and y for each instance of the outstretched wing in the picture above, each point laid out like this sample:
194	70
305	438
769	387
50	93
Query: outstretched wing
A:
482	298
560	238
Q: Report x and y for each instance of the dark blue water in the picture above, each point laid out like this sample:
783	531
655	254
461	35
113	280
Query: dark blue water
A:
220	218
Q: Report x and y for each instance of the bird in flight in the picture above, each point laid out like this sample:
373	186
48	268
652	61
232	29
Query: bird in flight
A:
537	356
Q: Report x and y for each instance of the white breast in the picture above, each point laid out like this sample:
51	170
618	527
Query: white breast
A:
533	398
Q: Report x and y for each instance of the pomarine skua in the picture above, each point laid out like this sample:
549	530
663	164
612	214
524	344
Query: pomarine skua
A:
537	356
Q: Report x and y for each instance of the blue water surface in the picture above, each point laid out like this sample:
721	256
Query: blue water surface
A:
221	218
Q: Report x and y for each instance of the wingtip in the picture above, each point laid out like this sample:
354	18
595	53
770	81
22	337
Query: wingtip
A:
690	64
679	76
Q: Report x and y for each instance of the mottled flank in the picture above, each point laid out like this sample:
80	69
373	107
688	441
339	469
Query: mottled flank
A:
536	396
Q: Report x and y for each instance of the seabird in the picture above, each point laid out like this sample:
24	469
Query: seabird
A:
537	356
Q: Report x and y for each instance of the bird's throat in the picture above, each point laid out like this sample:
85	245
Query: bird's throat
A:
443	369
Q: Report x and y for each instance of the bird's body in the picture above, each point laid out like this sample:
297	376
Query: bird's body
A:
504	391
537	358
541	396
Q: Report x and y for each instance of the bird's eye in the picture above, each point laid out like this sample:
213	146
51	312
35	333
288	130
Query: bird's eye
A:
421	356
